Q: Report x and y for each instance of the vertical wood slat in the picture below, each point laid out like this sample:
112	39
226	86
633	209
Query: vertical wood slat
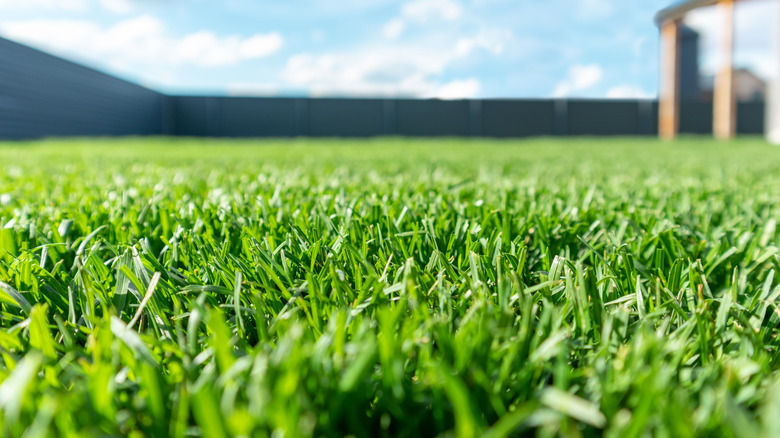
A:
669	96
724	119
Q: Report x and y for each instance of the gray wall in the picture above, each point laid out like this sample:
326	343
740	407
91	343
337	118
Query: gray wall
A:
288	117
279	117
696	117
42	95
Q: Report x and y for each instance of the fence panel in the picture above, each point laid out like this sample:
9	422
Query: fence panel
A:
432	118
252	117
695	117
603	117
750	117
50	96
346	117
518	118
192	117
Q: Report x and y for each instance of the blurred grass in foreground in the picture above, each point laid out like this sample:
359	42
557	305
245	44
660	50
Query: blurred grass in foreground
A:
392	287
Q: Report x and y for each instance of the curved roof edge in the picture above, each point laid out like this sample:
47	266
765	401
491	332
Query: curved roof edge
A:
678	11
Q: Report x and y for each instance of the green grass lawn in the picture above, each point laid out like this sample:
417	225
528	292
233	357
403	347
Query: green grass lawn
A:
621	287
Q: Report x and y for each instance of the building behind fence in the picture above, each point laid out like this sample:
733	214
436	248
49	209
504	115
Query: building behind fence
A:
45	96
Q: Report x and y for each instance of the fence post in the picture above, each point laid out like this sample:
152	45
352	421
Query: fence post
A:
669	88
388	117
301	117
561	117
475	118
168	112
213	116
724	102
645	116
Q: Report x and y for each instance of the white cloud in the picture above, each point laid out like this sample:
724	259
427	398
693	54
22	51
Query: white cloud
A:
366	73
141	40
207	49
412	70
56	34
428	10
394	29
421	12
260	46
585	76
580	78
117	6
627	92
46	5
459	89
493	40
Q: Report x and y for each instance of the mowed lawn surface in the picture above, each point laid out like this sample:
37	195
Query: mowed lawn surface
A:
618	287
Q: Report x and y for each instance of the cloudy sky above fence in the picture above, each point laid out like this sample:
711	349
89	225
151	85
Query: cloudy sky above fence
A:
417	48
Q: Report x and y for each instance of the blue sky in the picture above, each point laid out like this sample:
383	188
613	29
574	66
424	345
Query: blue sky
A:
418	48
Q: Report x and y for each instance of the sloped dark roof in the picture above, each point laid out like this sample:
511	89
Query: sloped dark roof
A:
678	10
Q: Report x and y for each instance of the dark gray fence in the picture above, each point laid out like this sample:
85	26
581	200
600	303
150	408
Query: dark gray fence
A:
288	117
696	117
42	95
